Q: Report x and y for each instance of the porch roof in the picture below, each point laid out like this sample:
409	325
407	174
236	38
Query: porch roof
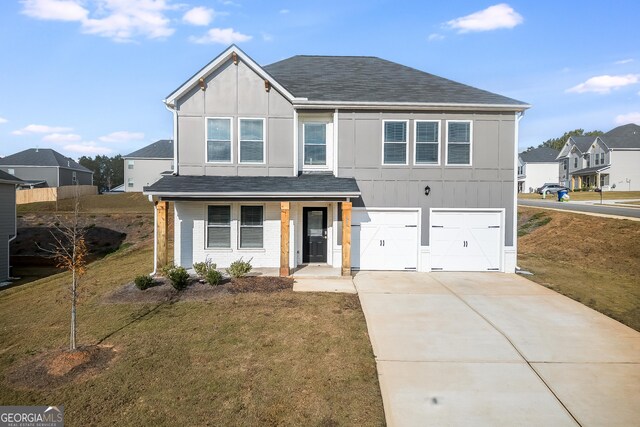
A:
590	171
254	187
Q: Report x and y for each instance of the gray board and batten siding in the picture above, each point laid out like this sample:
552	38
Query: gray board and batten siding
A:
7	225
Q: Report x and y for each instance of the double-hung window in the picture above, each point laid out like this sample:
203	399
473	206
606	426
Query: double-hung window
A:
219	226
394	142
315	144
130	182
252	141
251	227
219	140
74	177
427	134
575	163
130	164
459	142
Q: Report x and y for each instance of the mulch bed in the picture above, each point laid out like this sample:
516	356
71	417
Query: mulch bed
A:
55	369
162	291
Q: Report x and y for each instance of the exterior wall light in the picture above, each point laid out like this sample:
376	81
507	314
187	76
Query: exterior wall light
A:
427	190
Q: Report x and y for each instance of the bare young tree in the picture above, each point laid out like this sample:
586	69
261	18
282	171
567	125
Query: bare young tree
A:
69	250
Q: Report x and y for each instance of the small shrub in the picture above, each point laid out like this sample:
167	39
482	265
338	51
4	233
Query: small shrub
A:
179	277
213	277
239	268
143	282
164	271
203	268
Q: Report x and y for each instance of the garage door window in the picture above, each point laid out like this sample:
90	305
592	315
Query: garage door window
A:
459	142
427	136
394	150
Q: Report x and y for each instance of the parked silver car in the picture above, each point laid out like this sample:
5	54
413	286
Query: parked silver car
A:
551	188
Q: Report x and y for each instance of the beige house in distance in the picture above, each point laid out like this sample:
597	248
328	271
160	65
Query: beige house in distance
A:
145	166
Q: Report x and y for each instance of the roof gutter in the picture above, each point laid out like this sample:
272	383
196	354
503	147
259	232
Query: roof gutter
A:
409	105
253	195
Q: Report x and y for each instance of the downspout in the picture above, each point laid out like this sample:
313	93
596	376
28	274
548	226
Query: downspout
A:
519	116
155	237
172	108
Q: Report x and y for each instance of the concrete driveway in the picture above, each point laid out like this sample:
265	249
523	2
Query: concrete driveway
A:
492	349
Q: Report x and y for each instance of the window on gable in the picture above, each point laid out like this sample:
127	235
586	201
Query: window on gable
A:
575	163
251	140
459	143
251	227
315	144
219	140
589	160
395	143
219	226
11	171
427	142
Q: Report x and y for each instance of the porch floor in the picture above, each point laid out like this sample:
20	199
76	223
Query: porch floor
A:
316	270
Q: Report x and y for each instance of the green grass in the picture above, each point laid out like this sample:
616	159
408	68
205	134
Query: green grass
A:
250	359
101	203
587	195
539	219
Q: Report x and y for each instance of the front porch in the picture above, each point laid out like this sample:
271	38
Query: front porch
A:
589	178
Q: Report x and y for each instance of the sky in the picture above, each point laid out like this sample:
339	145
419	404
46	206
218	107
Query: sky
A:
88	77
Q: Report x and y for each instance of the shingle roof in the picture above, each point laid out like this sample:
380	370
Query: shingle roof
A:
626	136
254	186
371	79
8	178
539	155
161	149
42	157
583	142
590	171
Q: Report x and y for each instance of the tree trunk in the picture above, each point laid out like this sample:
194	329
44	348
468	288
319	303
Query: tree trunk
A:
73	311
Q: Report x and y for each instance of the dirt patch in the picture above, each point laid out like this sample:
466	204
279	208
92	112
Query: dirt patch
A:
56	369
162	291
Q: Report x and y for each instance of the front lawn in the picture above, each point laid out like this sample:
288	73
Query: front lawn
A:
279	358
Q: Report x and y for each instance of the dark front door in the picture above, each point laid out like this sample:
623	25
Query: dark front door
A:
314	234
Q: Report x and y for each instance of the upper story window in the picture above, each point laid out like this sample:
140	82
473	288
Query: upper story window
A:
575	163
459	142
130	164
11	171
394	142
251	227
219	226
315	144
597	158
219	140
427	136
252	146
74	177
589	160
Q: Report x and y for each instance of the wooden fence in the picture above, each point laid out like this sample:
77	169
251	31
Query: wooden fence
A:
53	194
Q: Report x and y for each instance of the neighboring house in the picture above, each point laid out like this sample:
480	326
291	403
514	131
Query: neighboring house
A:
610	161
537	167
353	162
44	167
7	219
146	165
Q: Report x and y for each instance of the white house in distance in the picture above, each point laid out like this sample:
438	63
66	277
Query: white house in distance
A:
147	165
537	167
610	161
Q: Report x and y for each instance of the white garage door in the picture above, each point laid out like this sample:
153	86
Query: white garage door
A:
465	240
384	240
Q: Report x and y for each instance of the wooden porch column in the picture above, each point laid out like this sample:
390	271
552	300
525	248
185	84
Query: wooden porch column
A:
346	238
285	208
162	234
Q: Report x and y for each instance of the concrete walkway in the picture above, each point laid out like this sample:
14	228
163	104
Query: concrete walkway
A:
491	349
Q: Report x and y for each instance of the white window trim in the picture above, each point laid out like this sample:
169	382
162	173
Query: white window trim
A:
415	143
406	143
130	182
206	227
446	151
264	214
326	145
130	164
264	141
74	176
206	139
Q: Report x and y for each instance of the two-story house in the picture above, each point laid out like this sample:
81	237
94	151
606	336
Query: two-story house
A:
45	167
353	162
8	185
537	167
610	161
145	166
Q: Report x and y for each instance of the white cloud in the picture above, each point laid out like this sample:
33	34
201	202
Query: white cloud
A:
122	136
284	11
54	10
624	61
89	147
31	129
604	84
267	37
3	120
61	137
492	18
624	119
221	35
199	16
435	37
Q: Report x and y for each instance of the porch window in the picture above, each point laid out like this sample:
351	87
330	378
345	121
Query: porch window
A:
394	143
251	227
251	140
315	144
427	142
459	143
219	226
219	140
